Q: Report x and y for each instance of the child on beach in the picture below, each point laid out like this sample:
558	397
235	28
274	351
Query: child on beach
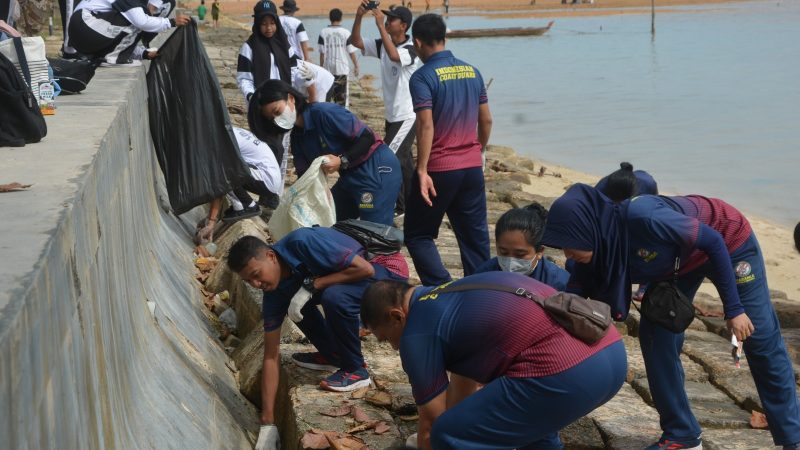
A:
201	11
215	7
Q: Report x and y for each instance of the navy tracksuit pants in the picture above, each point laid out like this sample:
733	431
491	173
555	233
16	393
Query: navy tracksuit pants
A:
369	191
336	334
527	413
461	195
765	350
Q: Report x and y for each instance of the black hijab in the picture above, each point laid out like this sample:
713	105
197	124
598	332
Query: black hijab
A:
266	50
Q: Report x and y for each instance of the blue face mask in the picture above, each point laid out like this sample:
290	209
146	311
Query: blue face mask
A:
516	265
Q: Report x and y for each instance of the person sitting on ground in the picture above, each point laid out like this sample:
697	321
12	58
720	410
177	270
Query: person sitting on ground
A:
295	30
538	377
395	50
267	182
334	52
311	267
625	183
517	235
110	29
369	173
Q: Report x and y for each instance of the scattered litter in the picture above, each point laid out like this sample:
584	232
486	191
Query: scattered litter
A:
313	440
379	398
206	264
228	318
11	187
363	427
201	252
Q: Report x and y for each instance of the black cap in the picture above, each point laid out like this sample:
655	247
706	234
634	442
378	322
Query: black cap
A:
289	6
264	8
401	12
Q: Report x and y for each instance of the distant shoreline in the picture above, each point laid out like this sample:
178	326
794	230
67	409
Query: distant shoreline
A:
499	9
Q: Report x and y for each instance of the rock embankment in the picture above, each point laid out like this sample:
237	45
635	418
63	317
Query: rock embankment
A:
723	397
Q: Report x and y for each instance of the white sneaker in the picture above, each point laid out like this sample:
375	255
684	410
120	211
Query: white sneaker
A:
129	63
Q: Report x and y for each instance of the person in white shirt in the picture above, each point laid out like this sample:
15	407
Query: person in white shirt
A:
395	49
295	30
267	183
110	29
334	52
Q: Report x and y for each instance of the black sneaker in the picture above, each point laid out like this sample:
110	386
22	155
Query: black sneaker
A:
270	201
232	215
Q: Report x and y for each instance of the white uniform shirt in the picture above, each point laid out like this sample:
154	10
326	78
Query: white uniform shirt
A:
260	160
295	32
323	80
333	43
394	78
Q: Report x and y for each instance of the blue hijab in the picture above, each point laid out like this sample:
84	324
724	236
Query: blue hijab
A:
585	219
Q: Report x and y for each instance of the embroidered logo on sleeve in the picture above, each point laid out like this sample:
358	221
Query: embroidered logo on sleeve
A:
646	255
744	272
366	201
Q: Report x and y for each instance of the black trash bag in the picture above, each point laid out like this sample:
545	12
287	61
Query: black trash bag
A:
21	120
73	75
189	122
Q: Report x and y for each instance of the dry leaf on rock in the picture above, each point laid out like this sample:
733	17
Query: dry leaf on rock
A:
382	427
758	421
14	187
346	443
409	418
379	398
360	392
363	427
339	411
313	440
206	264
360	415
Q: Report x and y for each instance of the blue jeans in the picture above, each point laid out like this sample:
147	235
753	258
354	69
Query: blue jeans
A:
766	355
369	191
462	196
527	413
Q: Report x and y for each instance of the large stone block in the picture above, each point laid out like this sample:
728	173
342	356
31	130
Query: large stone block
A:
626	422
737	440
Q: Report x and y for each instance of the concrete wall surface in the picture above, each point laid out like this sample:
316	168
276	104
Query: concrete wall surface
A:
85	254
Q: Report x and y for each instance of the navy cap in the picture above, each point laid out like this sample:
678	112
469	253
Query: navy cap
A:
264	8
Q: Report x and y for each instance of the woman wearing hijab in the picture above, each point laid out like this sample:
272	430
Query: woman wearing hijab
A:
625	183
638	240
369	172
266	54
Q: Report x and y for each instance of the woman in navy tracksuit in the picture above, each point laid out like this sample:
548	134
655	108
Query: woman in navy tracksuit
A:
638	241
369	171
517	235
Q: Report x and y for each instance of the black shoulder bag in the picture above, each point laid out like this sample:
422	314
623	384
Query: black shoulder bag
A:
584	318
665	305
376	238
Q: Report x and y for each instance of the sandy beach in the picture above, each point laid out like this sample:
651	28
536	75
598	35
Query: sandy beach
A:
499	9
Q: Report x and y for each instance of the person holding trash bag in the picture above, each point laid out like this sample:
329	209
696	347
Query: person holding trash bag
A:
653	239
369	172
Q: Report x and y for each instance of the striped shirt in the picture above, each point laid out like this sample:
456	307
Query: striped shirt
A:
486	334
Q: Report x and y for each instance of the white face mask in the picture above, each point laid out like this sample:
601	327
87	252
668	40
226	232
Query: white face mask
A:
516	265
286	119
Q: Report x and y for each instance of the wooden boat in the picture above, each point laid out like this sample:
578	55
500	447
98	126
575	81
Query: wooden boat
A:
496	32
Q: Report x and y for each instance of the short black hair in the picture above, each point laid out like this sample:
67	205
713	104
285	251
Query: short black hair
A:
335	15
244	250
429	28
530	220
378	298
622	183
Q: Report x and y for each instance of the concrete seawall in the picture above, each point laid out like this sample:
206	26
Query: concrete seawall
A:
103	342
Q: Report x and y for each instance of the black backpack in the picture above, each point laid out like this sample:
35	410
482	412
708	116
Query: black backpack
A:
376	238
73	75
21	120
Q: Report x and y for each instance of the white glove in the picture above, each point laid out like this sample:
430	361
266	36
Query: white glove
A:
301	297
306	72
268	438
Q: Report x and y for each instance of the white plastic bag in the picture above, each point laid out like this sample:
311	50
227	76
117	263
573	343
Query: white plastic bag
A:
307	202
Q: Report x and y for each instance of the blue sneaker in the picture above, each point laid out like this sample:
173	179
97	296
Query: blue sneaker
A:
792	447
666	444
314	361
342	381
